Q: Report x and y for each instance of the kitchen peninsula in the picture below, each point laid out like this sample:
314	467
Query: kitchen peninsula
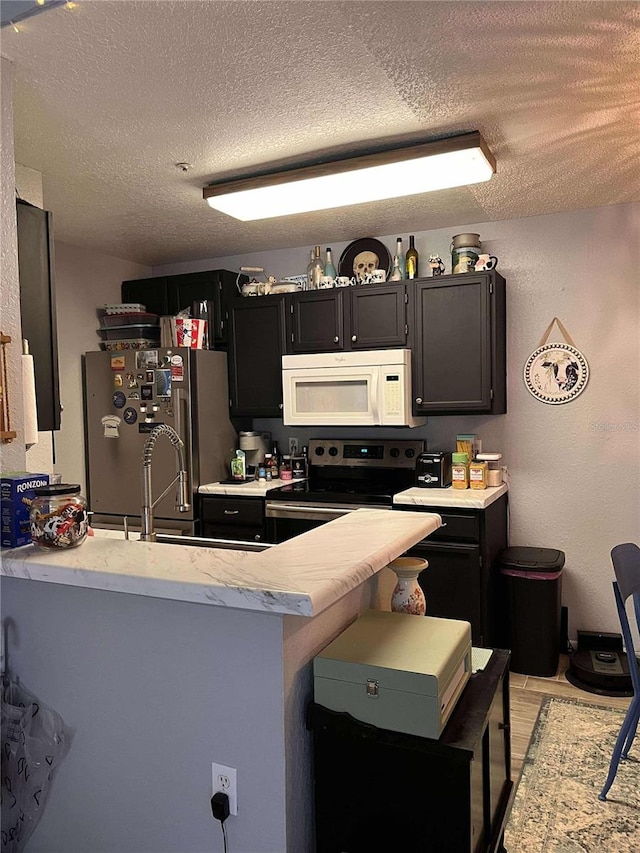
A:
165	658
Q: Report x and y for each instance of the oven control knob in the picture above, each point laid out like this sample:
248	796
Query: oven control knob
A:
333	451
319	451
409	453
394	452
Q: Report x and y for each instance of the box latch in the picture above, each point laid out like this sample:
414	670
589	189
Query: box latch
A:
372	688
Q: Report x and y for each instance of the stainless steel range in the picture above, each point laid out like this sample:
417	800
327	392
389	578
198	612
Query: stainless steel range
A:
344	475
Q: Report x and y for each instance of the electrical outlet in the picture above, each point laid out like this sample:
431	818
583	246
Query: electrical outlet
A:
293	446
224	779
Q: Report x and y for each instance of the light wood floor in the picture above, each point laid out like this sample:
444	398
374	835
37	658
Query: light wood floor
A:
527	693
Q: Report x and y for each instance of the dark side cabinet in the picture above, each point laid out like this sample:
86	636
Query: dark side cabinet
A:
38	309
255	356
462	579
417	795
458	340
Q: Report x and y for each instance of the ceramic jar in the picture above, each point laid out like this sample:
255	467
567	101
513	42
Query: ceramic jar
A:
408	597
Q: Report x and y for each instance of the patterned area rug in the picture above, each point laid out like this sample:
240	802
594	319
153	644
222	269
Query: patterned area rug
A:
556	807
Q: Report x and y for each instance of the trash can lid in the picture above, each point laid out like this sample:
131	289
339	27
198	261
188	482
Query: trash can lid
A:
532	559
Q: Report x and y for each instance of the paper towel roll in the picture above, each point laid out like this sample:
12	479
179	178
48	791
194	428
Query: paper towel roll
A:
29	397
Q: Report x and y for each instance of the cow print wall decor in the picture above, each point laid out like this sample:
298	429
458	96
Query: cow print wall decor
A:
556	373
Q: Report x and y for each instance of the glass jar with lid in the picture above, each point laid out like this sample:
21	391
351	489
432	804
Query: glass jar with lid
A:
58	516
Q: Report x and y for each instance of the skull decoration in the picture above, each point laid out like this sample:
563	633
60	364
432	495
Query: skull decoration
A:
364	264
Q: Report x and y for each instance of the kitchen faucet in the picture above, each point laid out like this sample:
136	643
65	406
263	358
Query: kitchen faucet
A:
182	501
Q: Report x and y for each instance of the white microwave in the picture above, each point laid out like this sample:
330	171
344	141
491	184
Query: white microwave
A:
367	388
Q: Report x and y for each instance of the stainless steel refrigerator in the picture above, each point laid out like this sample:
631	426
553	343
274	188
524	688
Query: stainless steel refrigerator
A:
126	394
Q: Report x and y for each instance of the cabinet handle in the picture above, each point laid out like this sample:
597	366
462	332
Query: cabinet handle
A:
231	511
418	400
257	537
336	339
281	405
354	338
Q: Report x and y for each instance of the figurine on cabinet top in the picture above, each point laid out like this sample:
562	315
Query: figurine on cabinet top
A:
436	264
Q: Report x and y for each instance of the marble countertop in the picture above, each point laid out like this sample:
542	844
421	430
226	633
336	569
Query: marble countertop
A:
250	489
302	576
469	498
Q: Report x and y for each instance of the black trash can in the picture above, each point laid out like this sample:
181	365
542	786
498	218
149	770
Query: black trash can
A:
532	582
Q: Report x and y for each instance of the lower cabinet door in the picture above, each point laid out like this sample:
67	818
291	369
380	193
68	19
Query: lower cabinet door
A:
452	583
241	534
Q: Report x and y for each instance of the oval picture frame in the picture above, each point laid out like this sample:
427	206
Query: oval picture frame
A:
556	373
365	244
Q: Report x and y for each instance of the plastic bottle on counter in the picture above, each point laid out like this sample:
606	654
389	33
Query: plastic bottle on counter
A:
268	473
478	474
459	471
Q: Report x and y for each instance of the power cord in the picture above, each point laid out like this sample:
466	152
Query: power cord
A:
220	809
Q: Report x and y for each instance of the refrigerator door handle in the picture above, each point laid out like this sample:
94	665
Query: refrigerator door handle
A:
183	428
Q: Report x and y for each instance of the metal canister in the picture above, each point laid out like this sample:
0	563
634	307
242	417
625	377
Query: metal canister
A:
465	251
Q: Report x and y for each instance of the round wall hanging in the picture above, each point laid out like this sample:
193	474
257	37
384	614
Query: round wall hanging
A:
363	256
556	373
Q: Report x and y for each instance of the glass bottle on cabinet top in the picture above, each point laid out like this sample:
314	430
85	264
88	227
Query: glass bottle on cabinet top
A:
329	268
412	259
401	258
315	270
396	275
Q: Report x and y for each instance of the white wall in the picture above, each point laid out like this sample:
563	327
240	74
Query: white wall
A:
84	281
12	455
574	468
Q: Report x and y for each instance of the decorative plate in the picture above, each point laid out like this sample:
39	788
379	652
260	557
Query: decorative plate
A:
556	373
362	257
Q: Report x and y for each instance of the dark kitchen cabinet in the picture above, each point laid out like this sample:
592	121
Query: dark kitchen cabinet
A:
169	294
316	321
458	341
225	517
450	794
150	292
256	345
462	580
378	316
361	317
38	308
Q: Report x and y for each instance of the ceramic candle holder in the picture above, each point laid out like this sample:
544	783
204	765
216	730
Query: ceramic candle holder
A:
408	597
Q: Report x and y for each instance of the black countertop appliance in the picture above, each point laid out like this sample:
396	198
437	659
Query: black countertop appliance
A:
433	470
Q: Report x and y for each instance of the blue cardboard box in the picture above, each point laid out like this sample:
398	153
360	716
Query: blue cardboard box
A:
16	494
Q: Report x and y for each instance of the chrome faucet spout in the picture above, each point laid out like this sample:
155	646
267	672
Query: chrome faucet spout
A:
147	533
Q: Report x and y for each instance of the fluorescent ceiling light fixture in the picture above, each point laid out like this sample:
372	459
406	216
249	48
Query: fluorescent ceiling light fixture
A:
436	165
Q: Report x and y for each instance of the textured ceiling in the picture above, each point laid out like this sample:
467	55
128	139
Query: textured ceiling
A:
109	96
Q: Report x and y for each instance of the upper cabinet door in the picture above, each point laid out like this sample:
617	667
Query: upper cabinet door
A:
378	316
255	356
316	321
458	344
215	287
150	292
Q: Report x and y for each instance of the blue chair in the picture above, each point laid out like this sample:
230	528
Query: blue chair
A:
626	567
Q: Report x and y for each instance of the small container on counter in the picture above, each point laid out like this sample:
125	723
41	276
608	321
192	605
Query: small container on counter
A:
58	516
285	469
478	474
459	471
298	467
494	467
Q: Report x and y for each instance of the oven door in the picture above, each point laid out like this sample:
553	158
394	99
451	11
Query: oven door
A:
286	520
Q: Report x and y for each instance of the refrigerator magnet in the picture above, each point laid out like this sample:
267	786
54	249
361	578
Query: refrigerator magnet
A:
118	362
177	368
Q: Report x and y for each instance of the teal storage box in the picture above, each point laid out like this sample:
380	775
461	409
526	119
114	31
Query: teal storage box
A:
396	671
16	494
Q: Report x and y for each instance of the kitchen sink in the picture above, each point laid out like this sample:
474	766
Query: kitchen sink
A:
204	542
